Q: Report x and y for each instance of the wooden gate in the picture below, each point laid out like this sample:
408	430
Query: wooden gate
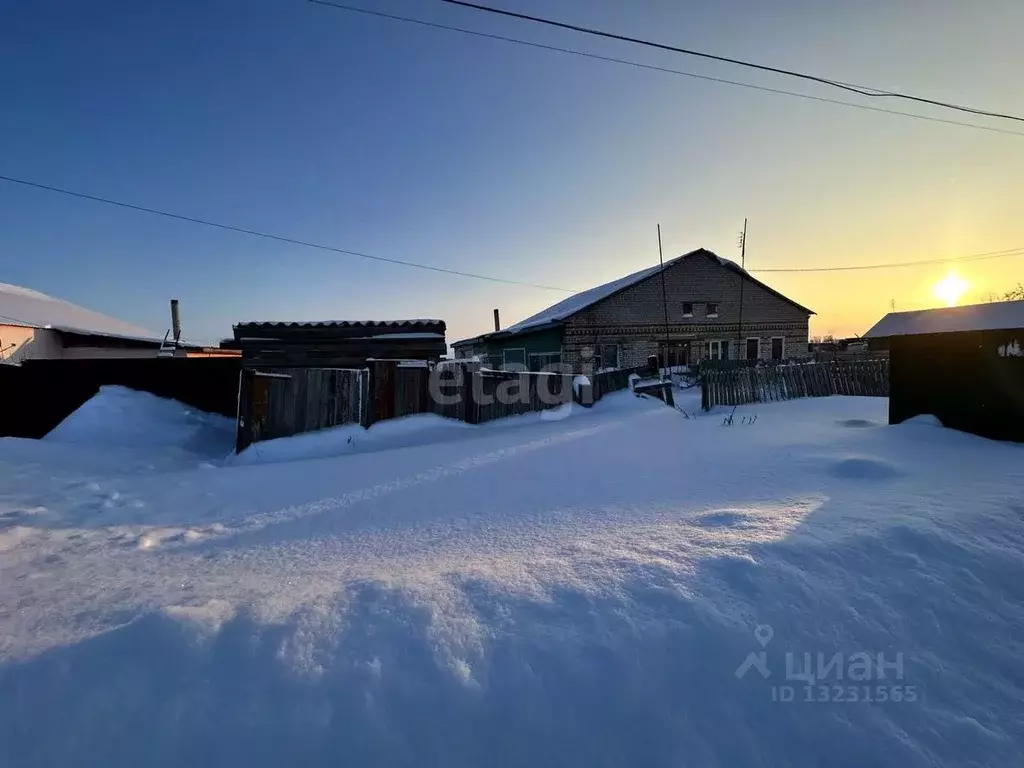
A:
287	401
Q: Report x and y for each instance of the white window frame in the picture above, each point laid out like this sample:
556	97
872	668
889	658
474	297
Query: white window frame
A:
690	313
783	340
504	362
711	348
746	341
707	309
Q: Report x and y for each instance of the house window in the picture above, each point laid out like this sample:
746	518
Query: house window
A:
718	350
687	309
712	309
753	349
513	359
778	347
609	355
543	361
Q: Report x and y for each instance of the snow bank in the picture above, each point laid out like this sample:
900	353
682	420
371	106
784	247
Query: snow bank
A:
587	592
419	429
118	416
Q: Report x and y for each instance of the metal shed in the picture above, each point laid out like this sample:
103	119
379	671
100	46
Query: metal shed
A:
964	365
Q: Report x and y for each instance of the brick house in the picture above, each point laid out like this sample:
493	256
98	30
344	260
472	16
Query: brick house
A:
621	323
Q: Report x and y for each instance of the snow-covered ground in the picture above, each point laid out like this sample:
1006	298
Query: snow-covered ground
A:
592	587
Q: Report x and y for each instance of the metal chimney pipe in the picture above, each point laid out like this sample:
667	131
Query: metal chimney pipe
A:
175	321
497	323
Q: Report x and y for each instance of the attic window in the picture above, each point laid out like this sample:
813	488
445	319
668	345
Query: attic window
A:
687	309
712	309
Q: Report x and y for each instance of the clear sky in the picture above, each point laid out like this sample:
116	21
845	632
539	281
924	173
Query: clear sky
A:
478	155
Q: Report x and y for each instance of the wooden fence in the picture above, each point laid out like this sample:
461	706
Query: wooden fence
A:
479	396
277	402
612	381
785	382
287	401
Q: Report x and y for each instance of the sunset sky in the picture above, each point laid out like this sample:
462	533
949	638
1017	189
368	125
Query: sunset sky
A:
472	154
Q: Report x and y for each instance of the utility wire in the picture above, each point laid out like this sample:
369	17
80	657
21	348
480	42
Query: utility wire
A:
306	244
956	259
861	90
654	68
279	238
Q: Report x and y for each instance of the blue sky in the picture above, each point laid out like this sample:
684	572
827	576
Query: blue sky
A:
478	155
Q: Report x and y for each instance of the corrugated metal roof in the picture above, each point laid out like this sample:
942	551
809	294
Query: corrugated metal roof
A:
335	323
996	316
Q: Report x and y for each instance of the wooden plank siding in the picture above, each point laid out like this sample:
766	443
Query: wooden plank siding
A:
288	401
338	344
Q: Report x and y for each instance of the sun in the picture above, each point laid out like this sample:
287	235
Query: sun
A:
950	288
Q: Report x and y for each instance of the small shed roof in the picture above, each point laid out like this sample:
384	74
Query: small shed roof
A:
995	316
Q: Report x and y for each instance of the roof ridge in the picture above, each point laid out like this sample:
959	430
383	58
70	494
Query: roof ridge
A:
567	307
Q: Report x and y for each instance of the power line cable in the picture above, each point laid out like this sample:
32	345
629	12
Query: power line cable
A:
924	262
279	238
1019	251
861	90
654	68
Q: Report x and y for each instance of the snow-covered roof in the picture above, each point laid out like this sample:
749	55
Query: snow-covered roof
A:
996	316
23	306
580	301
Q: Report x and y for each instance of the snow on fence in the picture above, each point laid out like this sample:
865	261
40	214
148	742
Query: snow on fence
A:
613	381
764	384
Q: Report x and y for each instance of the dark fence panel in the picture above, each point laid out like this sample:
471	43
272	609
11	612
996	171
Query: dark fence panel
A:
497	394
613	381
288	401
412	392
766	384
962	379
39	394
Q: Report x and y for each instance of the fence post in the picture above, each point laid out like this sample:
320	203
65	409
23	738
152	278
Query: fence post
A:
467	402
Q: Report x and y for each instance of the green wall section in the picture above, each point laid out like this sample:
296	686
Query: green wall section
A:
541	342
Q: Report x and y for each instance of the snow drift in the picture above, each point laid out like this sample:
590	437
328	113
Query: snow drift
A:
583	592
352	438
119	416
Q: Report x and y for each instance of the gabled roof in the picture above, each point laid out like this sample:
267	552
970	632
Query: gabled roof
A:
996	316
23	306
558	313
